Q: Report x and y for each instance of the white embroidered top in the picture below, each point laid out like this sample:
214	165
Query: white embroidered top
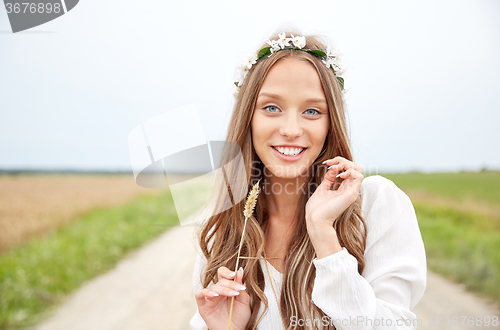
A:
393	280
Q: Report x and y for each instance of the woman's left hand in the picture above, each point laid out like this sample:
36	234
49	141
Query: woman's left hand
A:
325	205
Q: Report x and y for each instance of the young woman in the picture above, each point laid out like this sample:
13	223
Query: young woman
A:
325	248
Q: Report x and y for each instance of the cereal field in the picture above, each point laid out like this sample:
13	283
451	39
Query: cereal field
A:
31	205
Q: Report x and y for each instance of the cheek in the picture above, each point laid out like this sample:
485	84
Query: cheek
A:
320	133
254	131
260	130
323	137
256	136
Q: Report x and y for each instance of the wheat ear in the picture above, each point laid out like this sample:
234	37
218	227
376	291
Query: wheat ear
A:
247	212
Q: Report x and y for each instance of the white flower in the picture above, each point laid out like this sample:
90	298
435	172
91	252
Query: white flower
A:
243	68
239	75
240	81
331	61
283	41
299	41
331	52
339	71
274	45
335	54
250	60
340	67
236	92
334	63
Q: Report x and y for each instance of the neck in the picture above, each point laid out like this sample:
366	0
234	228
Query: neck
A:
283	197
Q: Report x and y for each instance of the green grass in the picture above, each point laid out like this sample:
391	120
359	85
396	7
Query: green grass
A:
462	245
37	276
476	186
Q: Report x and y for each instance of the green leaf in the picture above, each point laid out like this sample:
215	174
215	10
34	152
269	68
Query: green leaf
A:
264	52
316	52
341	82
236	83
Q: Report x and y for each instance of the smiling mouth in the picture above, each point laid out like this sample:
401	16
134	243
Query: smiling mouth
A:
289	151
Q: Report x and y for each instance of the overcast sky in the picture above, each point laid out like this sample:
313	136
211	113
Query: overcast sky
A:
423	77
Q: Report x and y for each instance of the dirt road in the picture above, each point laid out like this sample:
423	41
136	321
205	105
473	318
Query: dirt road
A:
151	290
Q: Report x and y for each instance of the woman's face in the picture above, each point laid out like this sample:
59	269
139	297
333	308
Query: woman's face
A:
291	119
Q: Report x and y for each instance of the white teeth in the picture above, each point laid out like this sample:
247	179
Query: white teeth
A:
289	151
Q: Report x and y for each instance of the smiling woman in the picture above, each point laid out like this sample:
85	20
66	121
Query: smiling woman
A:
325	246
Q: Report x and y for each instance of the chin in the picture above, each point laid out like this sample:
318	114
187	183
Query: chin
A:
288	171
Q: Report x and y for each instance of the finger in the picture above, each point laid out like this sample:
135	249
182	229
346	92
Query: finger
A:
333	161
224	272
340	163
352	181
350	174
336	161
239	276
233	285
243	297
345	165
201	295
331	176
224	291
328	181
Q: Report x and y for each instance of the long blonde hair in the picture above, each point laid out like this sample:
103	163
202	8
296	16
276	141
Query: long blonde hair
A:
220	235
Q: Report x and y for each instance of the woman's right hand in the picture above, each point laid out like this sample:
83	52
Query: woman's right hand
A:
214	303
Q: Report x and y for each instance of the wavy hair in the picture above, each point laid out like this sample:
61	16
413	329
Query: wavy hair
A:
220	234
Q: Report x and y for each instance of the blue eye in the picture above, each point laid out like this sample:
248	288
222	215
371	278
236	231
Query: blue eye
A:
271	108
315	112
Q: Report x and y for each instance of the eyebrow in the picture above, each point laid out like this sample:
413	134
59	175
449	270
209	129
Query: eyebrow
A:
278	97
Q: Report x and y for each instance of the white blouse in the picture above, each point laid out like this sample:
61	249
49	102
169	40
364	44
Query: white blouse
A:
393	280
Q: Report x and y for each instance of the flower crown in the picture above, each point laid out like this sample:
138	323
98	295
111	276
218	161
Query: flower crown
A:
295	43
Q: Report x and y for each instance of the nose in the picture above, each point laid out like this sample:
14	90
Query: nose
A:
291	126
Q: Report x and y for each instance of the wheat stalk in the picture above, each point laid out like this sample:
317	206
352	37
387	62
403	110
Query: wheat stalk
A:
247	212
